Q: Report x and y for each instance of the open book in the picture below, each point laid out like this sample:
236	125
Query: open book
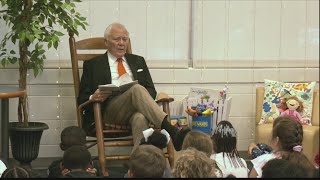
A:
124	83
121	88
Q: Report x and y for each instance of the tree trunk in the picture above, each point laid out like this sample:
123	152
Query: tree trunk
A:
23	105
23	69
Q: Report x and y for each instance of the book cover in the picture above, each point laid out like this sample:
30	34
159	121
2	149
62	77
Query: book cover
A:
122	88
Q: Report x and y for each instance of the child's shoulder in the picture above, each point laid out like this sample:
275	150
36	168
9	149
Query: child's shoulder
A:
264	158
55	163
54	169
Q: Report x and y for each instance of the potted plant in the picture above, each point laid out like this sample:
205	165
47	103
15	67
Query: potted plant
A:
33	26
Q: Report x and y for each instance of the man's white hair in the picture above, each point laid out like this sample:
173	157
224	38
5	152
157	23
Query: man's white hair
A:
114	25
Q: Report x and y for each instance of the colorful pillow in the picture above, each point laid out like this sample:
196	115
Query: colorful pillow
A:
275	92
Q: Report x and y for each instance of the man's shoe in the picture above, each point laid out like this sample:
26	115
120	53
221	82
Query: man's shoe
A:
180	137
176	135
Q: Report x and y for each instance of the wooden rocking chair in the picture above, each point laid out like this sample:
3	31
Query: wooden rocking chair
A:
103	131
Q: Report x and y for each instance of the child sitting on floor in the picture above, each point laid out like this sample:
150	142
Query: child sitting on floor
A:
201	142
70	136
159	139
282	168
76	161
226	153
286	142
146	161
192	163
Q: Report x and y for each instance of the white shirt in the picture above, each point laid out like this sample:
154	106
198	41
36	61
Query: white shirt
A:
260	161
3	167
227	168
113	63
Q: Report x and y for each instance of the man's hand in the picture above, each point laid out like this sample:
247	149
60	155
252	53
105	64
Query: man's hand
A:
100	95
250	147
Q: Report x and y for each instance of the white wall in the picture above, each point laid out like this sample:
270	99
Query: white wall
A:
188	43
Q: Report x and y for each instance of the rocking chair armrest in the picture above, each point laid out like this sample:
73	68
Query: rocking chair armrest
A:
92	101
81	106
163	98
88	102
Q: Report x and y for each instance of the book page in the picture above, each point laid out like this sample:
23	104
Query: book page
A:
124	83
124	79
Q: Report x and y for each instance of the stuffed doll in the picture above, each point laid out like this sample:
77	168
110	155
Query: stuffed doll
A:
293	107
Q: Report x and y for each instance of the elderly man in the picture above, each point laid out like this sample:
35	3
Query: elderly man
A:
136	106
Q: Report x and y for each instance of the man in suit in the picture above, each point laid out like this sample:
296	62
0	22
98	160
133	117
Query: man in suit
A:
136	106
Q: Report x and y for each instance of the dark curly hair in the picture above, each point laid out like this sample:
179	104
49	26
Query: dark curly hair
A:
72	135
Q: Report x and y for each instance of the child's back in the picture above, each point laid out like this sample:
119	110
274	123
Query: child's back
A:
286	142
227	156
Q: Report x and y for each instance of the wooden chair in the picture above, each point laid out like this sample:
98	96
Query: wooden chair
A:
103	131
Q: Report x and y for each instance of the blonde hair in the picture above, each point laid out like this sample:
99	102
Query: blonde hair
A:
198	140
193	164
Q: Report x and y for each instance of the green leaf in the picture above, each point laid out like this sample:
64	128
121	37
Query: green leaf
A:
13	60
37	36
49	44
58	33
12	52
82	18
55	44
3	62
35	71
50	22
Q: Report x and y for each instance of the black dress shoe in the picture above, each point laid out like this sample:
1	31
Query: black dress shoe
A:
176	135
178	141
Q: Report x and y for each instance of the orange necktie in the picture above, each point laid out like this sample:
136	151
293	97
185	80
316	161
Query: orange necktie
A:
121	69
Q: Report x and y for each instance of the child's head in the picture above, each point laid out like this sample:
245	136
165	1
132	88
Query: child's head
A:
225	141
192	163
287	134
16	172
72	135
198	140
76	157
283	168
225	137
147	161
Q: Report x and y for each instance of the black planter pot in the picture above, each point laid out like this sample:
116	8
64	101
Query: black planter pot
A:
25	141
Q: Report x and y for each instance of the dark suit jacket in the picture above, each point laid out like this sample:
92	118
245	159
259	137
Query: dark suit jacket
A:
97	72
